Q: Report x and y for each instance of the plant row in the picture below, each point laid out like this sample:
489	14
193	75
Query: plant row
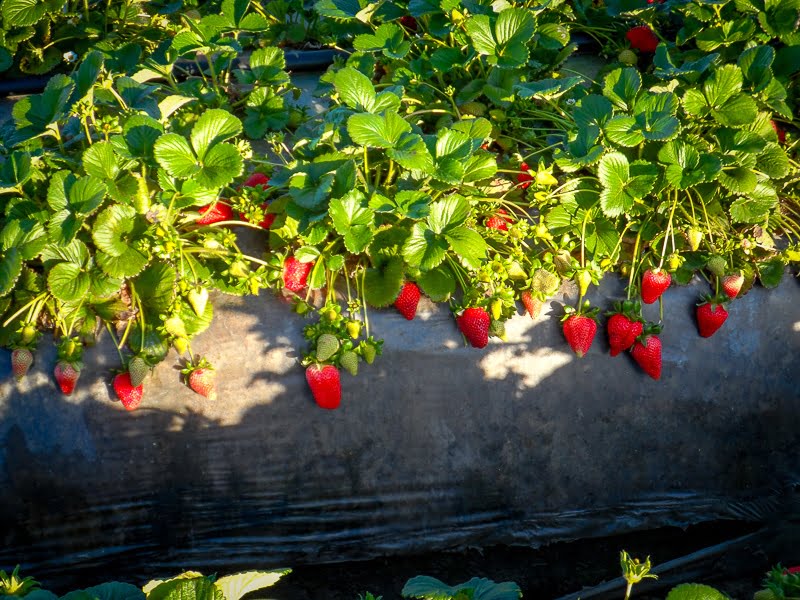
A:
191	585
459	158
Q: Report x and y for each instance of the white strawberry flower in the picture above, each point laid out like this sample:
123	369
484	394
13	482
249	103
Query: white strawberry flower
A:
70	57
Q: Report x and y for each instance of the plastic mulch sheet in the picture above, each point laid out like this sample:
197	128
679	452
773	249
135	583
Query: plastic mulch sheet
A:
435	446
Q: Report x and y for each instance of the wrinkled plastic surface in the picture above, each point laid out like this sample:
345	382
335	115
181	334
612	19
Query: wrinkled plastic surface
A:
435	446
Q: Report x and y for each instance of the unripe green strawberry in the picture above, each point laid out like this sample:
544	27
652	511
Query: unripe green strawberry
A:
181	344
21	361
584	280
349	361
497	328
198	298
516	272
765	595
368	352
545	282
717	265
476	109
175	327
628	57
695	237
546	179
137	369
327	346
497	309
563	262
354	328
674	261
28	334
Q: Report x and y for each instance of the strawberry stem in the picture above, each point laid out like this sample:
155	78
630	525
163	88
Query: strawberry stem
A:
634	262
669	231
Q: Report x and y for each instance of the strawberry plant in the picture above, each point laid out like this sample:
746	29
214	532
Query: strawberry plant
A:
456	160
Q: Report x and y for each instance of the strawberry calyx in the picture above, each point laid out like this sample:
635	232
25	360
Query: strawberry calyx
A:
714	300
632	309
70	350
584	310
649	328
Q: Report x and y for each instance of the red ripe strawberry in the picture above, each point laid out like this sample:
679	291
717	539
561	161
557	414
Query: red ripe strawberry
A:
295	274
21	361
496	222
710	317
648	356
407	300
779	131
325	385
732	285
642	38
257	179
214	213
474	324
130	396
533	305
201	380
654	282
408	22
622	332
579	331
524	179
66	376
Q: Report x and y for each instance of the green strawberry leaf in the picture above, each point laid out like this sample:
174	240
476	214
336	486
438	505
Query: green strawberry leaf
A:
438	283
155	287
68	282
504	45
20	13
383	283
265	111
689	71
388	39
739	180
622	86
448	213
234	587
425	249
214	126
377	131
353	220
476	588
10	269
770	272
623	184
140	133
468	244
411	153
408	203
547	89
221	165
773	161
756	66
593	110
175	155
196	588
99	160
755	206
624	130
15	171
24	228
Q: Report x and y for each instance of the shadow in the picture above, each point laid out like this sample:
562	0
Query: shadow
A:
436	447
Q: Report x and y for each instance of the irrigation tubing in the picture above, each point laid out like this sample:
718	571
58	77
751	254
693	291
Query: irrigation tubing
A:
296	61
